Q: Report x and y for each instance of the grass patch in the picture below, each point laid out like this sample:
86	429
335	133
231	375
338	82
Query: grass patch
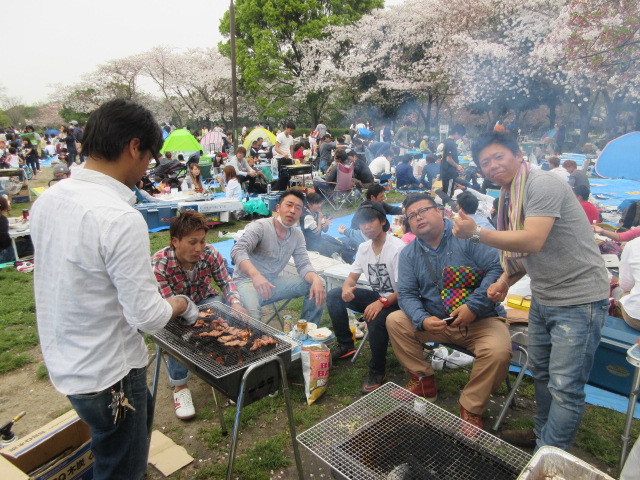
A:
42	373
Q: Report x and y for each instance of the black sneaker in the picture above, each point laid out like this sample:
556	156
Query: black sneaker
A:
342	352
374	381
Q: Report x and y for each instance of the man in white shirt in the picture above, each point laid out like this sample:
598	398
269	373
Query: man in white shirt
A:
91	241
554	166
381	164
283	153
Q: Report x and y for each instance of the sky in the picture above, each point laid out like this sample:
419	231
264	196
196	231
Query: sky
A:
63	41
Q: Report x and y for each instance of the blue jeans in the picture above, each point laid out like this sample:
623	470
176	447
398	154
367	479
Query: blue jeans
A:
562	344
287	286
121	449
178	373
378	335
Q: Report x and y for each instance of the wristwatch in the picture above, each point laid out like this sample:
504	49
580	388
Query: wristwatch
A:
384	301
235	301
475	238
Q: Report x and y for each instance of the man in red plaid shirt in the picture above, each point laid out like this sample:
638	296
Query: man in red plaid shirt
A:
190	266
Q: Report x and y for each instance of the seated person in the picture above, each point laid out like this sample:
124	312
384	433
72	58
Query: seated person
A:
189	266
430	171
382	164
218	161
60	171
377	259
554	166
582	194
328	182
264	250
376	193
254	151
630	284
233	190
576	177
194	179
428	268
244	172
142	195
314	224
424	144
468	203
404	174
298	152
362	176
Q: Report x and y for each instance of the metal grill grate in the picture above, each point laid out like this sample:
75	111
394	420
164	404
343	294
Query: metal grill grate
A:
392	434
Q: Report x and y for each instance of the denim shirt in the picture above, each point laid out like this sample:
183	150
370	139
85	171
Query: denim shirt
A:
419	298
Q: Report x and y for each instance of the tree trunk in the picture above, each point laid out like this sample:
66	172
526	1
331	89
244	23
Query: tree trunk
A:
612	106
427	123
552	113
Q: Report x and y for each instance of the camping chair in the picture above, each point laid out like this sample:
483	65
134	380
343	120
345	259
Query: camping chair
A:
345	192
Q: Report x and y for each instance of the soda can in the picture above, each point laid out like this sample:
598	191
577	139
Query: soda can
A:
288	322
268	188
25	214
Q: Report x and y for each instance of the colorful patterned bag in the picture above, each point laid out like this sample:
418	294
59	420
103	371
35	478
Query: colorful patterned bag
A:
458	283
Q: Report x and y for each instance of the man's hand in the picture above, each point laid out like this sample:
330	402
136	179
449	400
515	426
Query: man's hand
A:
263	286
497	291
463	225
190	314
434	325
372	310
239	308
464	316
460	169
317	291
348	293
341	229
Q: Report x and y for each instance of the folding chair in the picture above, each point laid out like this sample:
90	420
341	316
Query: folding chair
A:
345	192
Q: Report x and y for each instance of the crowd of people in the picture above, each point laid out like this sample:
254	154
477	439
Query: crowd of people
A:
443	281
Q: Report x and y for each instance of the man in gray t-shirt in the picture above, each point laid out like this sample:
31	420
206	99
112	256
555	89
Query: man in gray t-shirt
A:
262	253
543	231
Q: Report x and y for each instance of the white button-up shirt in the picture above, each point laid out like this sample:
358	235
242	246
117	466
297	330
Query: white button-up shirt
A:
94	285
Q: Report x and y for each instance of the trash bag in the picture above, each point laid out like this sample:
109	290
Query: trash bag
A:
256	206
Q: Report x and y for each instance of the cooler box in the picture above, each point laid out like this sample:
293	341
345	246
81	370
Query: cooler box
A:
611	370
157	215
270	200
214	210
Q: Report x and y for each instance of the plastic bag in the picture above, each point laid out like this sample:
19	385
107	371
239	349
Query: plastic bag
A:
316	360
256	206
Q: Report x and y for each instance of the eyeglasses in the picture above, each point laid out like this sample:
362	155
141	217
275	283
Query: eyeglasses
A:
419	213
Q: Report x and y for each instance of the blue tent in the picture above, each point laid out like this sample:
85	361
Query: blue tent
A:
621	158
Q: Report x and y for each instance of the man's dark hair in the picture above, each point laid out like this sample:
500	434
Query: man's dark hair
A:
314	199
340	139
418	197
188	221
369	211
13	150
351	153
507	140
431	158
4	203
374	191
458	130
582	191
340	155
555	161
468	202
291	191
290	124
405	158
114	124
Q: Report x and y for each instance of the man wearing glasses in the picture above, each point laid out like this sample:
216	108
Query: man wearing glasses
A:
442	284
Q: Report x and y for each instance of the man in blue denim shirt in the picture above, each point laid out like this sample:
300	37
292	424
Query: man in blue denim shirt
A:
477	324
543	231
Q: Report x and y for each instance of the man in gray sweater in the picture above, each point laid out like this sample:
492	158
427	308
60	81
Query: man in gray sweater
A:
262	253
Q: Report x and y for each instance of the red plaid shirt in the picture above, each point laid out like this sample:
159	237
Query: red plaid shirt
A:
173	280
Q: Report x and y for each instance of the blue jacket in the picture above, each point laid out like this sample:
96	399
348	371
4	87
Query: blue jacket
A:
419	298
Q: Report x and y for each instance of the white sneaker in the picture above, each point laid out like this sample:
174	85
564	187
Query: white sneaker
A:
458	359
439	358
184	404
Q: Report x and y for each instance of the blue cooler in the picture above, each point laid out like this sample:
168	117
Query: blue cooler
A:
157	215
611	370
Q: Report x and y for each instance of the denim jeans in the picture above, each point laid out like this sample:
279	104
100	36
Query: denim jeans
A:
562	344
287	286
378	335
178	373
120	449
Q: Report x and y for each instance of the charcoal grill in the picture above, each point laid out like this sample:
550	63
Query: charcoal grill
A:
238	372
392	434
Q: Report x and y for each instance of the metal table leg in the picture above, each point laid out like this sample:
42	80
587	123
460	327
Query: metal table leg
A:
236	423
633	396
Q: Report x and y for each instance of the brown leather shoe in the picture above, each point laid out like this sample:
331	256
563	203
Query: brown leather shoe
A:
521	438
474	423
423	387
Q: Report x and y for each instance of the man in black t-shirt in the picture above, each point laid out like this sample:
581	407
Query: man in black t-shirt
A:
449	168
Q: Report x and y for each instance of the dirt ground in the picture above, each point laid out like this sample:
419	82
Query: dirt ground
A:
21	390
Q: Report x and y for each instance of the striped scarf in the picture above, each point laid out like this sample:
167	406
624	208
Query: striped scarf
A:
510	217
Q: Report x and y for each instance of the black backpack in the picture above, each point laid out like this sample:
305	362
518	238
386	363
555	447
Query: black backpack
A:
631	216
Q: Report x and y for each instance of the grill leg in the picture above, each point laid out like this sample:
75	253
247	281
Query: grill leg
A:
236	423
223	426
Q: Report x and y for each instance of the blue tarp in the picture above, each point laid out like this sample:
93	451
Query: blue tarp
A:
621	158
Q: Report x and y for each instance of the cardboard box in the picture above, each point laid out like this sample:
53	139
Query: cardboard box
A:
66	438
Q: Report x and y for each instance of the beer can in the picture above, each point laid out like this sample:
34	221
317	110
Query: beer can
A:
25	214
288	322
302	326
269	188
